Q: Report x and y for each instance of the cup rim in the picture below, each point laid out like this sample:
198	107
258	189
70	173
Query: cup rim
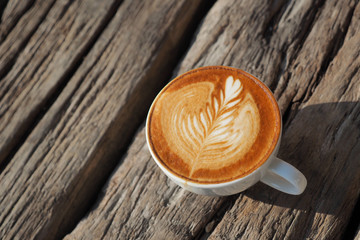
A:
204	185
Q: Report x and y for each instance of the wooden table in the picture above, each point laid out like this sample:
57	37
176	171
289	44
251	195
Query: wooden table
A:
76	81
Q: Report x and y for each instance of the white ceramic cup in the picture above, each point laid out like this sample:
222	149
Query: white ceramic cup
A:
274	172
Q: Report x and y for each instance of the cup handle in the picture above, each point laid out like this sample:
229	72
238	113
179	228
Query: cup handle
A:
284	177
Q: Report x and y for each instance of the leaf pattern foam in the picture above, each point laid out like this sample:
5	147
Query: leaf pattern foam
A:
210	128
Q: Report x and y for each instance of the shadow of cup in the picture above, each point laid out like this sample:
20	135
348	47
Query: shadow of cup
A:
322	141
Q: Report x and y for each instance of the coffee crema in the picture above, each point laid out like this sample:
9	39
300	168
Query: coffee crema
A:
213	125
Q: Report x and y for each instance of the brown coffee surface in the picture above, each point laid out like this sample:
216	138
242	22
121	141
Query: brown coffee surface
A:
213	124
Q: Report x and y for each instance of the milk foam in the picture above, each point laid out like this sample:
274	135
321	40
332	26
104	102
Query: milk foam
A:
208	127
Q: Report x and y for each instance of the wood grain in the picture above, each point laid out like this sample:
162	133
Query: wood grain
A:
308	53
139	202
11	13
52	52
19	21
51	180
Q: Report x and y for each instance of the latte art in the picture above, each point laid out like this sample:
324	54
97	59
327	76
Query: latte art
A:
227	124
213	124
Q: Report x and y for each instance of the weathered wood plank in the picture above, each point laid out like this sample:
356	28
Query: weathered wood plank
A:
19	21
12	12
297	48
141	203
53	177
51	53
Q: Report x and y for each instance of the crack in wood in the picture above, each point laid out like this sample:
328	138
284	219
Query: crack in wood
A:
199	61
10	60
33	120
353	225
276	11
281	70
3	4
188	36
333	48
311	18
219	213
14	15
185	41
308	23
352	75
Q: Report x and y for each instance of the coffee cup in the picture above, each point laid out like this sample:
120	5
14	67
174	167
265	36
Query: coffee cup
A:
216	131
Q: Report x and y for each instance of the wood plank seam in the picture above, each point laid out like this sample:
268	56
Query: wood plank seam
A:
333	48
5	29
169	45
278	11
211	224
188	37
26	130
11	56
312	16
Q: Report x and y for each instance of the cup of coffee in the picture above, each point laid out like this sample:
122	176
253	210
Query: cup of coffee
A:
216	131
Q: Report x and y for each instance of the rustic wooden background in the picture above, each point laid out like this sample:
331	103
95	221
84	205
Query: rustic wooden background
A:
76	81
